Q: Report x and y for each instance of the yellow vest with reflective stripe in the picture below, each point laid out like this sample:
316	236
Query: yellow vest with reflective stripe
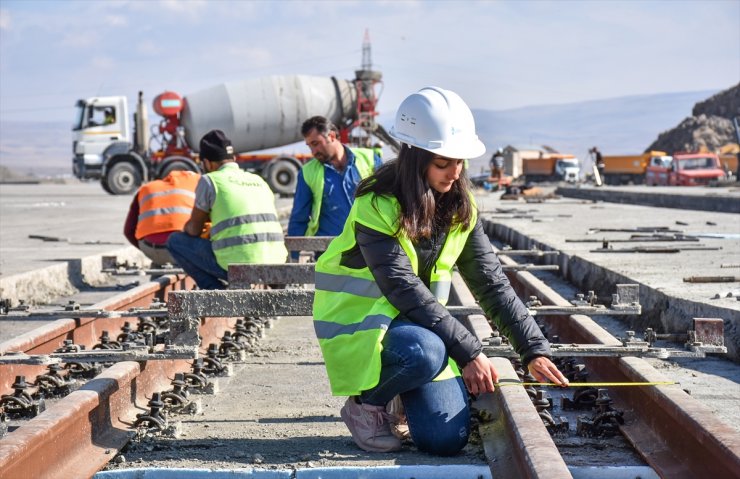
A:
313	175
350	313
245	226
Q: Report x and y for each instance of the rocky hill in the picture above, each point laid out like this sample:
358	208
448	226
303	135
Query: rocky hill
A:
709	127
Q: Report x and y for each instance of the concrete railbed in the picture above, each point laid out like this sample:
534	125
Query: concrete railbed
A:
63	278
383	472
726	200
661	311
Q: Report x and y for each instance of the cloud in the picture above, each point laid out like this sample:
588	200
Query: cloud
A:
4	19
495	54
148	47
116	20
189	8
79	39
103	62
250	55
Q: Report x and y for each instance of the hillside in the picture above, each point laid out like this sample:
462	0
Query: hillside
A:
708	128
36	148
624	125
621	125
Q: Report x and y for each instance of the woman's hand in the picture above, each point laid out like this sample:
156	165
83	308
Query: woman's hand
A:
545	371
479	375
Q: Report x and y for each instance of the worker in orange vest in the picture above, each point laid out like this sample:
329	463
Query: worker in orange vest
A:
159	208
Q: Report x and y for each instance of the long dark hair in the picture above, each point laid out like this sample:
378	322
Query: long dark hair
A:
424	211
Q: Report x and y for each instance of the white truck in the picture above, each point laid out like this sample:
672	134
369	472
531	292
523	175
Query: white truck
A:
552	167
255	114
568	169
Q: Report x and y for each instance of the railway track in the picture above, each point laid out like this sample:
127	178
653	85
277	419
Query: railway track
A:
81	432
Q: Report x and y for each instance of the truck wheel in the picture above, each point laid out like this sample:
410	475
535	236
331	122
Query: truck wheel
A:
283	177
123	178
104	184
176	166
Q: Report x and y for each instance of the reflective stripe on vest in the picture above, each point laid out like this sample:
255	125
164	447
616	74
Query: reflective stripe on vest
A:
313	175
182	210
166	205
174	191
245	227
351	315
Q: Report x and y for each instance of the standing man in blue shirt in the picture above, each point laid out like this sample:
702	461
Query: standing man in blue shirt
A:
326	183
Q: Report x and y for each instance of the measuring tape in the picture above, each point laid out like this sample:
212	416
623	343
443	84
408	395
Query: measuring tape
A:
593	385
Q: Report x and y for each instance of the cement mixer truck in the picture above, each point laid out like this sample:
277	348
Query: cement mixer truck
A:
256	114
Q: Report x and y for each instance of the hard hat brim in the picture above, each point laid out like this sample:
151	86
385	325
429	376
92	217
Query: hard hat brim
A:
460	150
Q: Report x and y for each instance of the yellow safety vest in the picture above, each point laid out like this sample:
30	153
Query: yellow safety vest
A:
351	315
245	227
313	174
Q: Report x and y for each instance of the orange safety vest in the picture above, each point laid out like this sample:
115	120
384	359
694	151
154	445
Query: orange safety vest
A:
166	204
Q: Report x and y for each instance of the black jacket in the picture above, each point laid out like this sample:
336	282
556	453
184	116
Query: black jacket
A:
410	294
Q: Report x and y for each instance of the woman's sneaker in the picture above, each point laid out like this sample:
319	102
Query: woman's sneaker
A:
399	424
370	426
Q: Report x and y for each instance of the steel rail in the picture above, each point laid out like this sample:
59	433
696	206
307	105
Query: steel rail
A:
82	432
515	441
81	330
674	433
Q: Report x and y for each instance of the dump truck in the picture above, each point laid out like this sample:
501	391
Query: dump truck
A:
686	169
728	158
256	114
551	167
729	154
630	169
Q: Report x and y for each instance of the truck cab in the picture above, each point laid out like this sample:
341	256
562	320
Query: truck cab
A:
568	169
99	123
695	169
658	170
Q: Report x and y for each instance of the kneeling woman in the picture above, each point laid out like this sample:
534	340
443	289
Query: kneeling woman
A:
381	288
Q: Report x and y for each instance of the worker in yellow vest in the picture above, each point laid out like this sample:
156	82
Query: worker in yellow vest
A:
382	285
241	207
160	208
326	184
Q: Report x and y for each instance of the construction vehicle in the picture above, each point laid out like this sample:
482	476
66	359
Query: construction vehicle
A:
728	158
255	114
552	167
731	150
686	169
630	169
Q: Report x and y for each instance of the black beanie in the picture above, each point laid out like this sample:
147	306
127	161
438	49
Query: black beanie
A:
215	146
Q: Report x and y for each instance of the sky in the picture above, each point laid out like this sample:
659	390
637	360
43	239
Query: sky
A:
496	54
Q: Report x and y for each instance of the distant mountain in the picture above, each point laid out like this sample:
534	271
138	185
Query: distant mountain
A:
624	125
617	125
36	148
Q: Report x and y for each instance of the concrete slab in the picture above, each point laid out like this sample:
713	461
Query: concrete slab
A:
76	213
725	199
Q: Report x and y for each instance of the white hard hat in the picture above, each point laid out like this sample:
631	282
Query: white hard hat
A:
439	121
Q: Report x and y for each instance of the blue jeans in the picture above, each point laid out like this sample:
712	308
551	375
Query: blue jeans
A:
196	257
437	411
